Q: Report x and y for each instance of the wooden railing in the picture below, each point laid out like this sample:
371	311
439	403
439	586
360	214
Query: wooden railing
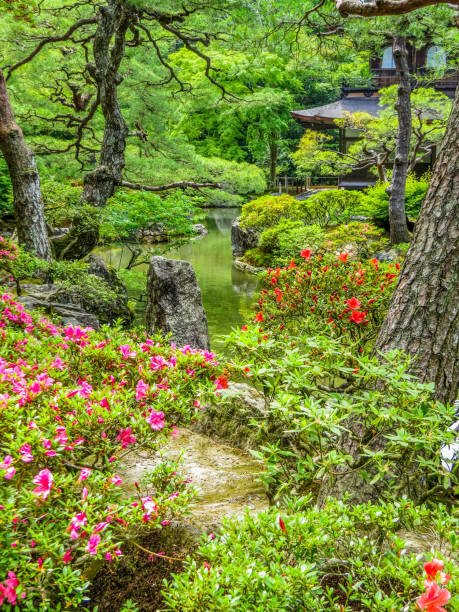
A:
296	185
384	77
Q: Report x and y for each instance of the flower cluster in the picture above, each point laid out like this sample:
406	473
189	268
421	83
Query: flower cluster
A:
327	293
8	250
435	597
73	404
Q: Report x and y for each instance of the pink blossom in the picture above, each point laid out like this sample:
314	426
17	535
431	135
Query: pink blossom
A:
125	437
93	543
156	420
108	556
9	473
126	351
85	472
100	526
84	493
44	480
7	461
116	480
141	390
25	451
67	556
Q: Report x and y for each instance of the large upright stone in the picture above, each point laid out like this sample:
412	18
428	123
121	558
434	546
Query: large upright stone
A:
242	239
174	302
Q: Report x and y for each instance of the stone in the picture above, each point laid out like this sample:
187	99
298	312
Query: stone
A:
242	239
174	303
69	314
200	229
389	256
242	266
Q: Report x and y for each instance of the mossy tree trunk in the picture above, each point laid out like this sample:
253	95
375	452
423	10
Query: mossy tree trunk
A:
25	180
423	317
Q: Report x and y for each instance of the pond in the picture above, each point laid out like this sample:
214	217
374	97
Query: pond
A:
227	293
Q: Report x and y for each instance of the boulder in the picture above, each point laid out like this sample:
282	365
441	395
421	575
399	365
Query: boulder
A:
69	314
389	256
242	239
174	303
200	229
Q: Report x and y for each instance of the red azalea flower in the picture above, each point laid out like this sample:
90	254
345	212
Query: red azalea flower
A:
353	303
259	316
357	316
282	524
343	257
434	598
306	253
432	567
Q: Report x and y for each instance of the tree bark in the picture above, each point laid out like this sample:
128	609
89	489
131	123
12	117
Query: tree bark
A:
397	216
28	203
423	317
273	154
113	20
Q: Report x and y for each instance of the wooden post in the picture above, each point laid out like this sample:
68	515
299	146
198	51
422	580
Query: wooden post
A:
286	183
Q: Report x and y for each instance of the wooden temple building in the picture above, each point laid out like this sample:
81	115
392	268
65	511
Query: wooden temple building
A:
361	96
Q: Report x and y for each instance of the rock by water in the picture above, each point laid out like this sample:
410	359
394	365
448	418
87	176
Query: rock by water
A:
242	239
174	303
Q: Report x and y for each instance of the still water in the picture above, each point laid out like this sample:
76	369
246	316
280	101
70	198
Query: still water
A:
227	294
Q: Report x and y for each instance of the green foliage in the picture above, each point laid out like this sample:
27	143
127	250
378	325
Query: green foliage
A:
362	239
295	240
322	208
341	559
5	188
329	206
62	202
375	203
127	212
335	420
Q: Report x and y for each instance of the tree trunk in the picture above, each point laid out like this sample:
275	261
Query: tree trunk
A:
423	317
28	203
397	216
273	154
99	184
114	20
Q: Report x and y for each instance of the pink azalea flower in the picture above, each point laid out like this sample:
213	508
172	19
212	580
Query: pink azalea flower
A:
44	480
156	420
85	472
67	556
116	480
141	390
84	493
126	351
125	437
7	461
93	543
9	473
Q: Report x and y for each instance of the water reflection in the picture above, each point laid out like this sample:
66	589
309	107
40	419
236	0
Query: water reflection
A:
227	294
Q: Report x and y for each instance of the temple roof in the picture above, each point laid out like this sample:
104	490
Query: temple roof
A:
329	112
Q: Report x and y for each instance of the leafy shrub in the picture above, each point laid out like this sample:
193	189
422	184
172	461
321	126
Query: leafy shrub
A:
74	402
323	208
269	238
330	206
62	201
336	559
236	177
267	211
295	240
375	202
257	257
336	421
129	211
5	189
363	239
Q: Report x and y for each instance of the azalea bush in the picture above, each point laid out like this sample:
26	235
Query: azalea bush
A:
331	421
327	293
73	404
340	558
363	239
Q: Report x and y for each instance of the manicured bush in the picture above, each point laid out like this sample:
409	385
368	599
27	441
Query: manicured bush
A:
336	559
330	207
375	202
74	403
297	239
267	211
362	239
